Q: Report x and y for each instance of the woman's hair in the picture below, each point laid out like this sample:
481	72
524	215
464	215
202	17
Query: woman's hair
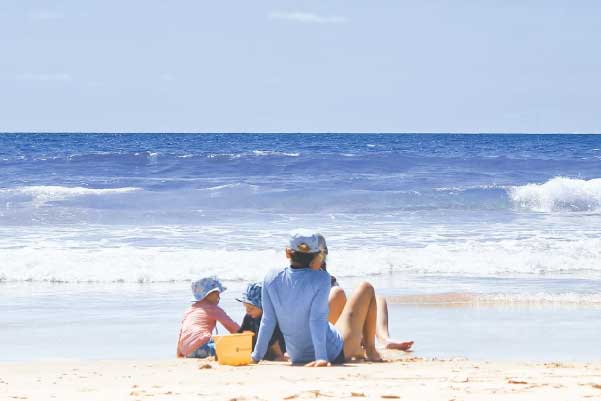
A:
301	258
324	248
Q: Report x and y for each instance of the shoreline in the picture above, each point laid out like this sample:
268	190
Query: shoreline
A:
143	323
403	376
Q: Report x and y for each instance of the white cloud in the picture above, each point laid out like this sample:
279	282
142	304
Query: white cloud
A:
28	76
307	18
44	15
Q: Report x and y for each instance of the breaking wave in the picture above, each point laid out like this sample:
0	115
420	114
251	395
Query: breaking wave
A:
559	194
128	263
39	195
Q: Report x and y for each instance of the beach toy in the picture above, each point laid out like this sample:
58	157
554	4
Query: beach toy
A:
234	349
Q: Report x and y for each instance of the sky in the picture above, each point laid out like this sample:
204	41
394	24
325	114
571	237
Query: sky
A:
300	66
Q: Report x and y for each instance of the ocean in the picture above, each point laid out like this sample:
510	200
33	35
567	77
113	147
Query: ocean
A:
100	234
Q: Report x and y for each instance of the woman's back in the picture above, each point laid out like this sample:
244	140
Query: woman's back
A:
297	300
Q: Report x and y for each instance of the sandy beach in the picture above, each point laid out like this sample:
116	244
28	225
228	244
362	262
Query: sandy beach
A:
406	377
304	181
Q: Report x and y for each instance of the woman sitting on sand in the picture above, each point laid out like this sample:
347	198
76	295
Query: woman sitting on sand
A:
296	298
337	301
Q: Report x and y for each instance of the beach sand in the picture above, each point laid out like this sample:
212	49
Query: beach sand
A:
402	377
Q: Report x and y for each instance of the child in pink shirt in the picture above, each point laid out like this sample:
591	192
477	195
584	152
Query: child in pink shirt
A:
201	318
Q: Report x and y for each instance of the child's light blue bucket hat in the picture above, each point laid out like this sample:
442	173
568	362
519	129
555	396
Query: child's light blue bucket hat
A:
252	295
203	287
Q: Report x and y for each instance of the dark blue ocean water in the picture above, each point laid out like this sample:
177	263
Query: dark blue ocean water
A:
168	178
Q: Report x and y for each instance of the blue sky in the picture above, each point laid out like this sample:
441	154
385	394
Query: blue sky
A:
292	66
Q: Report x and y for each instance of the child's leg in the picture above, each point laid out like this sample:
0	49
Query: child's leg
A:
358	322
204	351
382	328
336	302
275	353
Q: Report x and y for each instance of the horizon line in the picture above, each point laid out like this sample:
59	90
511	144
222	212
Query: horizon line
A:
286	133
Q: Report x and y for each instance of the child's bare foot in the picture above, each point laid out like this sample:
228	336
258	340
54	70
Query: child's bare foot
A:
397	345
373	355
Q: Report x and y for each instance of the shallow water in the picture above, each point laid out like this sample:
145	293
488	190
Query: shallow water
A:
92	321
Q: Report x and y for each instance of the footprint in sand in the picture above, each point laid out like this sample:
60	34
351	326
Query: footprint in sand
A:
511	381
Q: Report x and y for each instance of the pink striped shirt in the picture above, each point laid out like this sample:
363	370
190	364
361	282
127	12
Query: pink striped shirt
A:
198	323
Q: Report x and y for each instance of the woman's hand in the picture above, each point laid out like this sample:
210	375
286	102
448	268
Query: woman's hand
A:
318	364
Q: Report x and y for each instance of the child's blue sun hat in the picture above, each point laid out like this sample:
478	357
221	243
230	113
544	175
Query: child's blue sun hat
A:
252	295
203	287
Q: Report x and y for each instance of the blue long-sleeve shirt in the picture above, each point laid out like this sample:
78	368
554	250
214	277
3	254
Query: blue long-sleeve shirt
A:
297	300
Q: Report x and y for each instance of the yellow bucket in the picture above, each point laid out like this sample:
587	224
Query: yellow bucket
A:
234	349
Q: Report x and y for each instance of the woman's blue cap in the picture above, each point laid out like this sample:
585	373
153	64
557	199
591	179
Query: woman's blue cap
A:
304	241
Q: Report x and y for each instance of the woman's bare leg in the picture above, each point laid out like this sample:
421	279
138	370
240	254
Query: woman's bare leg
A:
357	323
336	302
382	328
382	321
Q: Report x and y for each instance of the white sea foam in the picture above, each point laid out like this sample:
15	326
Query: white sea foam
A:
224	155
524	298
559	194
237	185
540	298
274	153
41	194
131	265
76	156
69	261
254	153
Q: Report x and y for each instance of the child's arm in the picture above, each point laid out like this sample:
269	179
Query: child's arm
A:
178	354
226	321
268	322
244	325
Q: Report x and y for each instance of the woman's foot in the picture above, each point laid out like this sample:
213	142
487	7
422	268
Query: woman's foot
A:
397	345
373	355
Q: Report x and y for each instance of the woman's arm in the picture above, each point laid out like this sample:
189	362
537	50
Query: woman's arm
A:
318	319
268	323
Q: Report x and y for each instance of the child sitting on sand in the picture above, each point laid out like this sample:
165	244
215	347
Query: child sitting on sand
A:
201	318
251	298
